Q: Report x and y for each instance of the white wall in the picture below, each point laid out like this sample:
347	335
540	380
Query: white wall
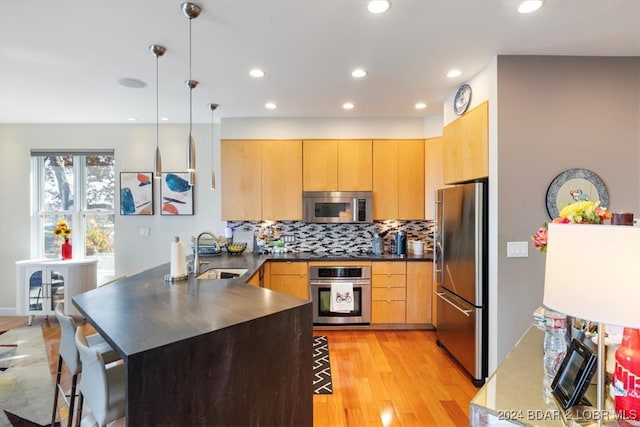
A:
134	150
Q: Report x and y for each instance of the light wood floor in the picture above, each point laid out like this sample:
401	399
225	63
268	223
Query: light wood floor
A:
380	378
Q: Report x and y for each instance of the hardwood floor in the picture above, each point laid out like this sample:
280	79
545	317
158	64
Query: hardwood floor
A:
380	378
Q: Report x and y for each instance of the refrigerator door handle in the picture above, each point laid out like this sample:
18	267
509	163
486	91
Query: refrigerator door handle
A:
454	305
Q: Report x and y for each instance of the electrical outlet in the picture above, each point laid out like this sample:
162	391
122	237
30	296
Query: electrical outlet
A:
289	238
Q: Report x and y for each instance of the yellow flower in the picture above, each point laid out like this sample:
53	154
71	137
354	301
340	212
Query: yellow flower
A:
62	229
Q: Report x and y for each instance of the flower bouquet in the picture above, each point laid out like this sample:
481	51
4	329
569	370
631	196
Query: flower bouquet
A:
582	212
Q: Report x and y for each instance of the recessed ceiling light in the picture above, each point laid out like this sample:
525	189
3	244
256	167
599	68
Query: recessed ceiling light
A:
420	106
347	105
378	6
164	119
454	73
270	106
358	73
529	6
132	119
256	72
132	83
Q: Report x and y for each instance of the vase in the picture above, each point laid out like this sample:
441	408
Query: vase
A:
66	249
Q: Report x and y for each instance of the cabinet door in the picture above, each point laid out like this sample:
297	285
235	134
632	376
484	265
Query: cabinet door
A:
466	146
411	179
355	172
241	181
282	180
419	279
433	173
385	179
45	288
320	165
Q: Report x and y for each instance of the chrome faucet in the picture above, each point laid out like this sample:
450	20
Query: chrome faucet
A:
196	258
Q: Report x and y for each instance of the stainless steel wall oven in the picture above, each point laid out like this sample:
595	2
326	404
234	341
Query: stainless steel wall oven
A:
320	280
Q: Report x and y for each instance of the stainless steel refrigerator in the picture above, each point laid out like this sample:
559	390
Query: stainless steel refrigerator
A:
460	272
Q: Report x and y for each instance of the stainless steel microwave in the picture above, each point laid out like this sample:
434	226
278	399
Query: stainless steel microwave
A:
338	206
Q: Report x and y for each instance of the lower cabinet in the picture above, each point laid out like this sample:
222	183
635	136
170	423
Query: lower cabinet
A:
388	292
42	284
401	292
290	277
262	277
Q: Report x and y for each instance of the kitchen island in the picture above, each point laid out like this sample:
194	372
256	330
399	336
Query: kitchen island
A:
207	352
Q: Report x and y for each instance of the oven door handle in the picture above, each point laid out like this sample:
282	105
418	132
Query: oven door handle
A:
356	284
454	305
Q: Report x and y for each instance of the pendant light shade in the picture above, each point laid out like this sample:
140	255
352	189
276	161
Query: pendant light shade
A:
191	11
157	51
212	107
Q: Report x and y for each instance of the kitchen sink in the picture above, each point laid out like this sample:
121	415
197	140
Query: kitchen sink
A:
222	273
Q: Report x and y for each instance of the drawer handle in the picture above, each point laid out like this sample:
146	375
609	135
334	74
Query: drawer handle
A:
388	288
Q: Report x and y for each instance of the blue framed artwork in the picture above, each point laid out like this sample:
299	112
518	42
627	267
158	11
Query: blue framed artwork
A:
176	194
136	193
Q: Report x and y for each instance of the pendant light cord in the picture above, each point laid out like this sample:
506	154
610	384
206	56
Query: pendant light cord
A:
157	101
190	85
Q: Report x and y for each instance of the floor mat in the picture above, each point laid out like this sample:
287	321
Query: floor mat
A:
321	366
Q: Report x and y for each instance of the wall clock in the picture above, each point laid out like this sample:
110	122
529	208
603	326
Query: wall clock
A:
462	99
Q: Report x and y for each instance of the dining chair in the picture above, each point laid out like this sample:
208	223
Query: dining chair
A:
102	386
68	353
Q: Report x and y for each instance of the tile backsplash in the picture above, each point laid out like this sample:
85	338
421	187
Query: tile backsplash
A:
334	238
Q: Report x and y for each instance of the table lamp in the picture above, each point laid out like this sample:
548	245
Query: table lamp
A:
593	273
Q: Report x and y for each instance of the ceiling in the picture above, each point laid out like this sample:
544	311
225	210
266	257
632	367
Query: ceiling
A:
60	60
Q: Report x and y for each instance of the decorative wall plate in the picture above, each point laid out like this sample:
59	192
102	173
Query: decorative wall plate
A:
462	99
574	185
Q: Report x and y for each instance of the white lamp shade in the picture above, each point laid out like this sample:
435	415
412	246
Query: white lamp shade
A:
593	272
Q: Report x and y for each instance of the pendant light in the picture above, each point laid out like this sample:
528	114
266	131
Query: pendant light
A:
157	51
212	107
191	11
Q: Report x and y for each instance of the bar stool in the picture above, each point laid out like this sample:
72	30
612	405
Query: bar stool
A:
102	386
69	353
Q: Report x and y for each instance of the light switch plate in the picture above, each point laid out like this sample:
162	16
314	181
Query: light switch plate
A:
517	249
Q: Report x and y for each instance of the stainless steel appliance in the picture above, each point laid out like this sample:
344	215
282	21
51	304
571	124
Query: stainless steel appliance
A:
460	272
320	280
338	206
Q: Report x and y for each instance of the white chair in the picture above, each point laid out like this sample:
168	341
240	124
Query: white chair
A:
69	353
102	386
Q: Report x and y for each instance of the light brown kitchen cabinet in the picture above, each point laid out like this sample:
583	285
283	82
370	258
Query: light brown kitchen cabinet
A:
388	292
433	173
337	165
419	291
398	179
466	146
290	278
262	277
261	179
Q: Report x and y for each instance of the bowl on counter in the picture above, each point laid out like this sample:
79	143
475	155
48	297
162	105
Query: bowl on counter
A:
236	248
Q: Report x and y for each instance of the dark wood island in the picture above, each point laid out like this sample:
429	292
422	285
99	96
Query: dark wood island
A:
207	352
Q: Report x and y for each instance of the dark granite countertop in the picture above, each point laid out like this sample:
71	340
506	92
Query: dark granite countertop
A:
143	311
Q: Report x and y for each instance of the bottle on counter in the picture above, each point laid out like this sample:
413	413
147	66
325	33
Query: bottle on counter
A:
626	380
392	245
555	347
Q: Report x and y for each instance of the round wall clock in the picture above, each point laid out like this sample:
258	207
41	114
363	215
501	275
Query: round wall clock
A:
462	99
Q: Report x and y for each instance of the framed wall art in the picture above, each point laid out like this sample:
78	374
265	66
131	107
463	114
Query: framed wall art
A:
574	185
136	193
176	194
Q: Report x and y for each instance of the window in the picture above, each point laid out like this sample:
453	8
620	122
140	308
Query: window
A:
80	188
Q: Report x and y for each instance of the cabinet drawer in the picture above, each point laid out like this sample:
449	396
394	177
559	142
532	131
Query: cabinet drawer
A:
395	280
388	294
388	312
288	267
389	267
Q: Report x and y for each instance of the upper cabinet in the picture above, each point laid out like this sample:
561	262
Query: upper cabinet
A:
337	165
433	173
398	179
261	179
466	146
